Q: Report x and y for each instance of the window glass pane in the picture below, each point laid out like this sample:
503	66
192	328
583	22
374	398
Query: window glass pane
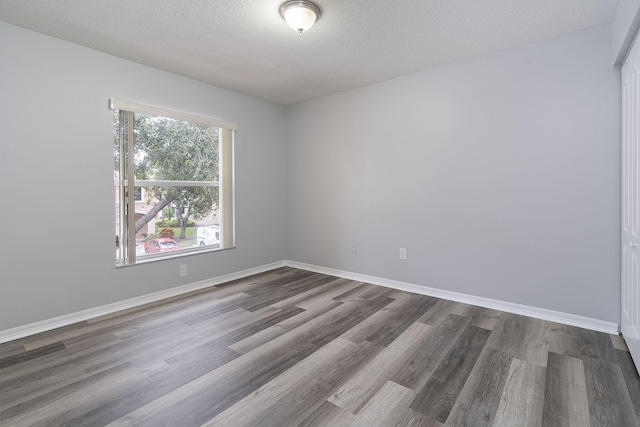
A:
191	219
174	150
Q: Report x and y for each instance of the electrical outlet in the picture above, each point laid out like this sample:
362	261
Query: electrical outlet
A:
403	254
354	247
183	270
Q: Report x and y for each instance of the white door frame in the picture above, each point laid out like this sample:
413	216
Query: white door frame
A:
630	195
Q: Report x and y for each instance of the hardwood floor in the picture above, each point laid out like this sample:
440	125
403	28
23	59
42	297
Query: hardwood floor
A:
291	347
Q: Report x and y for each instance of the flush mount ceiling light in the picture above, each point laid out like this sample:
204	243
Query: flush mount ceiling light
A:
300	14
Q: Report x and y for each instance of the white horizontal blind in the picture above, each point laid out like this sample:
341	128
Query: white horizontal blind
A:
164	183
116	104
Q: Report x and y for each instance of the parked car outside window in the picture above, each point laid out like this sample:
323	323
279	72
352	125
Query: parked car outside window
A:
209	235
164	244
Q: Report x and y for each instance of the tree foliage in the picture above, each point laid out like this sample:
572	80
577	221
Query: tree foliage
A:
172	150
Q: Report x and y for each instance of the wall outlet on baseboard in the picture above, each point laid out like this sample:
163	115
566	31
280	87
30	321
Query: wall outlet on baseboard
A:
183	270
403	254
354	247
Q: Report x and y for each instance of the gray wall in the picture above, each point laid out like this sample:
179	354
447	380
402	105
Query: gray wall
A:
624	27
57	253
499	174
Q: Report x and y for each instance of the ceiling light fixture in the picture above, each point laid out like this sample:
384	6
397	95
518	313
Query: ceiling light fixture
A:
300	14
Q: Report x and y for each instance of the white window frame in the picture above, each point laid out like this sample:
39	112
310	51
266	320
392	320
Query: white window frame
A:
126	232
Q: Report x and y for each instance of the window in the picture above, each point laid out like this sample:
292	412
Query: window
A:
179	168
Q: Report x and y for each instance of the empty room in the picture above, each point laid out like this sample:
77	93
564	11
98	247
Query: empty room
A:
320	213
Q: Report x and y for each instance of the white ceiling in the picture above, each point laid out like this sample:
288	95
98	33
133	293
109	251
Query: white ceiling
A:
245	46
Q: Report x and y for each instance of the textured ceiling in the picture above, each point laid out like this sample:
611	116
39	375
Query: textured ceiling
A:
245	46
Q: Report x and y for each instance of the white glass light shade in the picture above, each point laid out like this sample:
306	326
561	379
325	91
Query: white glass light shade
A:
300	15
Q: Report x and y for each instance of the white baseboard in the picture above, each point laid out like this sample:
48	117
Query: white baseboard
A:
80	316
509	307
538	313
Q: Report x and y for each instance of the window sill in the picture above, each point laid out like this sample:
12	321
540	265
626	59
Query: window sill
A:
146	259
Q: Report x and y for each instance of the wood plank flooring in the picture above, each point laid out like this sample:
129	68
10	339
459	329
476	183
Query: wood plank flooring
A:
295	348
